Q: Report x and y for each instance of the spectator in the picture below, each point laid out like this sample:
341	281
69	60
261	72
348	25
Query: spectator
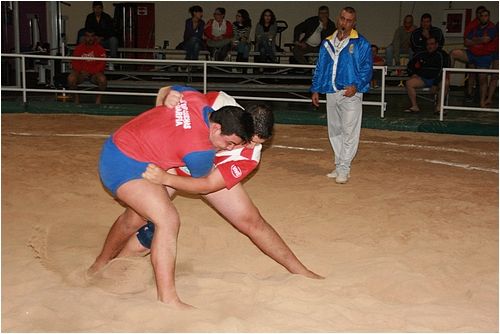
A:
193	33
377	61
343	72
219	35
400	42
102	24
475	22
425	70
471	77
265	37
419	36
307	36
241	30
492	87
92	70
479	51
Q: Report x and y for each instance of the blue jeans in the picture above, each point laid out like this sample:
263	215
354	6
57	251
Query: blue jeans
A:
243	50
389	55
267	51
193	47
111	44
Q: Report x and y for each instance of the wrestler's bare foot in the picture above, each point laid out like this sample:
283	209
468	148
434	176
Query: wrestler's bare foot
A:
95	268
311	274
177	303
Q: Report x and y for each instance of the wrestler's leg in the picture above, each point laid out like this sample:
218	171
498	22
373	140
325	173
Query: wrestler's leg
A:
236	206
125	226
152	202
133	247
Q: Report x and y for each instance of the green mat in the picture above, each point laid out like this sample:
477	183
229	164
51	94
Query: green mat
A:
463	123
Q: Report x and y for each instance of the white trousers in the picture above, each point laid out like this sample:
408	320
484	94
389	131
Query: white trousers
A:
344	127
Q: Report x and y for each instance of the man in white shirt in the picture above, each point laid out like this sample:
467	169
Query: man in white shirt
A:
308	35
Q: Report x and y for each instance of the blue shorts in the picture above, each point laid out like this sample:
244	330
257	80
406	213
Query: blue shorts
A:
428	82
480	61
115	168
145	234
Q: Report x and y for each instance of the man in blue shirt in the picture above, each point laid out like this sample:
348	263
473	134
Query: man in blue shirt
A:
343	73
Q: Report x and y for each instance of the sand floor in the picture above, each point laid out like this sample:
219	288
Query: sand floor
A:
409	244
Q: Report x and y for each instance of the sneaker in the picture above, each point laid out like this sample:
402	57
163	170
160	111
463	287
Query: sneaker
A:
333	174
342	178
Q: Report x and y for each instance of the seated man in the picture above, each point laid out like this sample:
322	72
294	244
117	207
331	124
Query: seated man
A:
419	36
92	70
308	35
219	35
425	70
102	24
479	51
400	42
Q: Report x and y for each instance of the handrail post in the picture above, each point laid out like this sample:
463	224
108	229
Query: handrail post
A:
205	71
382	95
441	98
23	77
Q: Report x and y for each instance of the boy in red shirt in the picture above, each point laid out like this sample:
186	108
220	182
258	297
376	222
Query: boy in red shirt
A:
92	70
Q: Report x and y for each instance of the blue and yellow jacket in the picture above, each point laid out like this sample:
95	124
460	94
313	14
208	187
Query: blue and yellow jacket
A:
355	65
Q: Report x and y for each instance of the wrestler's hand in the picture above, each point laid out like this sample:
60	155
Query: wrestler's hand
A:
155	174
168	97
350	91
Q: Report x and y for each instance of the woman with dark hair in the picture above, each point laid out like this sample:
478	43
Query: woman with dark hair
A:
265	37
241	30
193	33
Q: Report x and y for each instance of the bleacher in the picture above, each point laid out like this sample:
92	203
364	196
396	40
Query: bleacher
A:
229	76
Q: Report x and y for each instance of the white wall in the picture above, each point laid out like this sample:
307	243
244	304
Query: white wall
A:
377	20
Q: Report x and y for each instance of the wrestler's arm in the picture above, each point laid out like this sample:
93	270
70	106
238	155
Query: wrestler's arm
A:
201	185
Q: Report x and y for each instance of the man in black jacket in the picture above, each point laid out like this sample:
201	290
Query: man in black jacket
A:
102	24
307	36
419	36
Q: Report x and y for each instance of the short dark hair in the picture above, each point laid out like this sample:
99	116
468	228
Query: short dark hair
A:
234	121
97	3
426	16
195	9
263	120
350	10
485	10
480	9
221	10
323	8
375	46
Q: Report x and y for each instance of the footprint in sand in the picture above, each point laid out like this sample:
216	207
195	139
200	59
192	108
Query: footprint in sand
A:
71	257
124	275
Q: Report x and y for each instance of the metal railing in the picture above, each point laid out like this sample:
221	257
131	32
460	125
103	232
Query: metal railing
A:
23	88
442	96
